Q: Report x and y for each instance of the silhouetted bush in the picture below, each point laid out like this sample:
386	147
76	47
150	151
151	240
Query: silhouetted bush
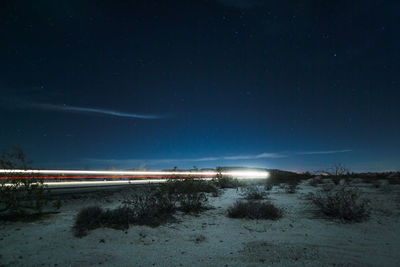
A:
254	210
192	202
315	181
328	187
88	219
119	218
227	182
188	185
152	208
278	177
343	203
291	188
21	197
254	193
189	193
268	186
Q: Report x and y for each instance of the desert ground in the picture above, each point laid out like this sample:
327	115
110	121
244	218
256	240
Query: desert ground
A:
301	237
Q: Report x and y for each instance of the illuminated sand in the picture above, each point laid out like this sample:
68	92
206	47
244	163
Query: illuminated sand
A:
212	239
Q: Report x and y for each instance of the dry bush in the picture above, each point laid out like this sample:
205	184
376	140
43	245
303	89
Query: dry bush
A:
189	185
88	219
140	210
291	188
328	187
344	203
227	182
254	210
254	193
189	193
193	202
268	186
20	198
315	181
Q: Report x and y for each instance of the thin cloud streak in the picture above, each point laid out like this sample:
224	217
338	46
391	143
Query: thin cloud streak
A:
258	156
113	113
325	152
131	162
157	161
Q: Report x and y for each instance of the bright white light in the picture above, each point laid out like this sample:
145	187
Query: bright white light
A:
247	174
236	174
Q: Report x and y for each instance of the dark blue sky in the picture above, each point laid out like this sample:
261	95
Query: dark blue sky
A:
296	85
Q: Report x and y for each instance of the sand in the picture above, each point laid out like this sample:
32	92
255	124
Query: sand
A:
299	238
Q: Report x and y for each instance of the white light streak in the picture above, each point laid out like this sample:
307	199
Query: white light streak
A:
236	174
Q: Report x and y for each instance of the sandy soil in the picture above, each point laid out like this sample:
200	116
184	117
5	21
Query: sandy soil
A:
300	238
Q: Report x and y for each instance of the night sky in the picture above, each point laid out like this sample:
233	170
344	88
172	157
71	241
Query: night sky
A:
289	84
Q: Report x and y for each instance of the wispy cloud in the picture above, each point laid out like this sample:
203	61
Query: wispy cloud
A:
257	156
133	162
324	152
204	159
89	110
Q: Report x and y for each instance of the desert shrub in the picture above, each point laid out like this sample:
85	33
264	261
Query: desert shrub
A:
94	217
227	182
144	209
254	210
268	186
193	202
278	177
291	188
119	218
88	219
20	197
189	193
315	181
152	208
376	183
254	193
188	185
394	180
343	203
328	187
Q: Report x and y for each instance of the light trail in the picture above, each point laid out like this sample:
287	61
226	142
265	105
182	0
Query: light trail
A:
66	174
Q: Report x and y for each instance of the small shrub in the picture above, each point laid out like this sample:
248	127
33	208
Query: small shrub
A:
291	188
268	186
343	203
88	219
254	193
20	198
152	208
227	182
188	185
315	181
254	210
328	187
193	202
118	218
189	193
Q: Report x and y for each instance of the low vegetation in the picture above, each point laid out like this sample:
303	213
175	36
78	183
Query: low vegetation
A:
343	203
291	188
315	181
21	198
278	177
189	185
153	207
254	193
254	210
